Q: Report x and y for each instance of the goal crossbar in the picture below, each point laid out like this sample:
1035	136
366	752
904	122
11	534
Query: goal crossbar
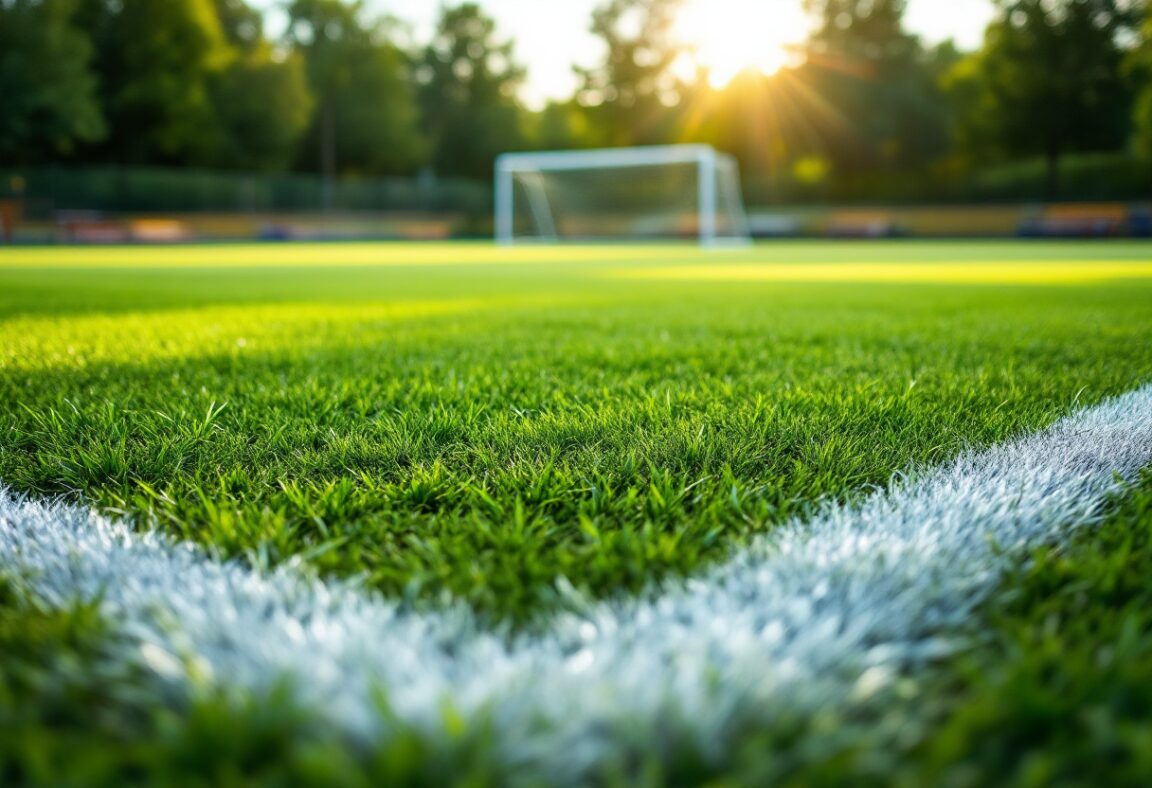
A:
647	156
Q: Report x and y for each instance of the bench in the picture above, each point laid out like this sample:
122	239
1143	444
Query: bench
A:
1090	220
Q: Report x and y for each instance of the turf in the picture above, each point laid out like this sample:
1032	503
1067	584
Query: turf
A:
1059	689
1055	691
482	429
476	423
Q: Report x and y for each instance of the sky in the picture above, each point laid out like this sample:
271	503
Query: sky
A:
552	35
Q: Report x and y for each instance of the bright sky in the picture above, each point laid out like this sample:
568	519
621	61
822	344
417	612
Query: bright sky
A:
552	35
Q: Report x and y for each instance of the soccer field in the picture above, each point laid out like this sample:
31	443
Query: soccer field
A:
511	456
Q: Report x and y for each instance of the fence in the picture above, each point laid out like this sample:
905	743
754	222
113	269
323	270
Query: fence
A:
48	191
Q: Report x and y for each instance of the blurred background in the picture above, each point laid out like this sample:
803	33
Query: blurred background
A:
174	120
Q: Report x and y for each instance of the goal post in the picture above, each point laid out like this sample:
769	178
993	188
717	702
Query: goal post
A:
646	193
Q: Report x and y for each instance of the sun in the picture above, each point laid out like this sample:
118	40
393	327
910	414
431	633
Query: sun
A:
730	36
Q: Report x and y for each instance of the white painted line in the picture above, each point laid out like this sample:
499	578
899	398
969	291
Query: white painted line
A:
822	613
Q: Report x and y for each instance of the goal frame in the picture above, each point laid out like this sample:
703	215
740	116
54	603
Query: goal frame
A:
707	160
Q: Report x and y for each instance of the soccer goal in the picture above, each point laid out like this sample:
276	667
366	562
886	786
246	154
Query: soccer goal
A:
649	193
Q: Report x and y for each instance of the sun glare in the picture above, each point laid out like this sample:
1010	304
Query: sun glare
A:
731	36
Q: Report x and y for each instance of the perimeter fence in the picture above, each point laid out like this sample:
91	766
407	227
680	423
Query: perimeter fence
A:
48	191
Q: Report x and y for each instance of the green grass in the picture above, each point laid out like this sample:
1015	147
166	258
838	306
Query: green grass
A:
1055	691
66	718
441	423
1059	689
484	434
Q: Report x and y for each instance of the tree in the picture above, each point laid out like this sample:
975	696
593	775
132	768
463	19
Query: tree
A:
156	63
879	98
242	25
560	125
1140	67
1047	82
366	119
261	97
194	83
861	31
629	96
467	93
263	107
48	103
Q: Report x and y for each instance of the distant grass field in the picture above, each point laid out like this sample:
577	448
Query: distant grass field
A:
467	422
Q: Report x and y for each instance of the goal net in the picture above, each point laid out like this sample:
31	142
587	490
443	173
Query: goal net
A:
650	193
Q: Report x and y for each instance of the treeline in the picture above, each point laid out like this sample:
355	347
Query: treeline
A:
199	83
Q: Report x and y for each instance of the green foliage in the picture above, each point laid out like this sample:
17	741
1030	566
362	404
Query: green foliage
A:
366	118
754	118
628	96
1083	176
187	82
156	63
196	84
1140	71
561	125
861	30
262	99
878	86
1142	113
865	107
263	107
48	103
242	25
1048	82
467	82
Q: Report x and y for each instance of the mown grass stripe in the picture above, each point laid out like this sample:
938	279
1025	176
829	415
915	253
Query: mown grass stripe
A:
982	272
824	613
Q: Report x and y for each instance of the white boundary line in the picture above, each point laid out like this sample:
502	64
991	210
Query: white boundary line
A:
821	613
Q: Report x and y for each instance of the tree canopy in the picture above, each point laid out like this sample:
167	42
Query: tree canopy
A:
1140	71
155	63
347	93
48	100
878	85
1047	82
466	81
629	93
366	118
